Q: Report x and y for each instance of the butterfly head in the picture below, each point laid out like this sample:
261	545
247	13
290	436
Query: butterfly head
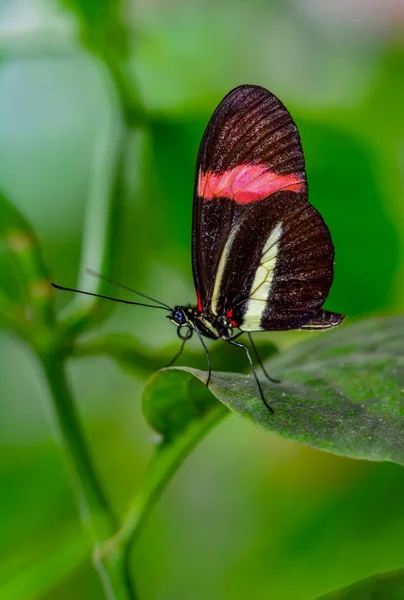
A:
178	315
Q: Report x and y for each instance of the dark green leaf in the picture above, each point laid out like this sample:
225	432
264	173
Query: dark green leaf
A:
341	391
389	586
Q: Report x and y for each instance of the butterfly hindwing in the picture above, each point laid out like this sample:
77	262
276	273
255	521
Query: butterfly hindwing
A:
262	255
276	267
324	319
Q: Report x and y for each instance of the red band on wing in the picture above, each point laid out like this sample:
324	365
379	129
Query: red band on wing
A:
247	183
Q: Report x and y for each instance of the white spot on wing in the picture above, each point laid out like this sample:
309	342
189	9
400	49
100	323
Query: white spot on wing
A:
220	270
261	287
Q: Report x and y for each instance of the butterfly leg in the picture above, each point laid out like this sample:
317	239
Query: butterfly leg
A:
172	361
261	364
271	410
207	356
237	335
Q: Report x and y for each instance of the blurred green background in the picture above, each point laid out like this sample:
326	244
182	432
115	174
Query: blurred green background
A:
249	514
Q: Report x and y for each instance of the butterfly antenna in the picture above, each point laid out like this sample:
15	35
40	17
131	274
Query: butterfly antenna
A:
67	289
125	287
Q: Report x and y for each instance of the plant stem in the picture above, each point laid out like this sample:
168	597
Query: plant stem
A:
95	511
165	461
11	317
100	224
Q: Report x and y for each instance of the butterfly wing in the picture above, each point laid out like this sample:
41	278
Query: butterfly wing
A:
262	255
324	319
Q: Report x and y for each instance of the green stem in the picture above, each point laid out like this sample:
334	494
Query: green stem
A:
95	511
165	461
123	348
11	317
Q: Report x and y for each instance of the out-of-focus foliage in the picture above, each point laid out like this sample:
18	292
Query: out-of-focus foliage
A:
388	585
19	243
101	24
248	511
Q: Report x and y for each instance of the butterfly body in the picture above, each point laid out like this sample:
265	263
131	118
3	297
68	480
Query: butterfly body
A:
211	326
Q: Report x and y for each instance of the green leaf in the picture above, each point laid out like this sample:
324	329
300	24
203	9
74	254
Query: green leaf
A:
342	391
170	414
389	586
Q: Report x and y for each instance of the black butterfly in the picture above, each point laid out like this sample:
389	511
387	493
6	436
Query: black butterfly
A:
262	256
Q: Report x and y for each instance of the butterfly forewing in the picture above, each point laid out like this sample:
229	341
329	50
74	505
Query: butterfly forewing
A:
262	255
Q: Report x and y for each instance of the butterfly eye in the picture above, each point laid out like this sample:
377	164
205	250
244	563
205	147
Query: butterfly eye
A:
179	317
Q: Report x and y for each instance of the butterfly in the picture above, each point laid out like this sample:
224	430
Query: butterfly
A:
262	255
